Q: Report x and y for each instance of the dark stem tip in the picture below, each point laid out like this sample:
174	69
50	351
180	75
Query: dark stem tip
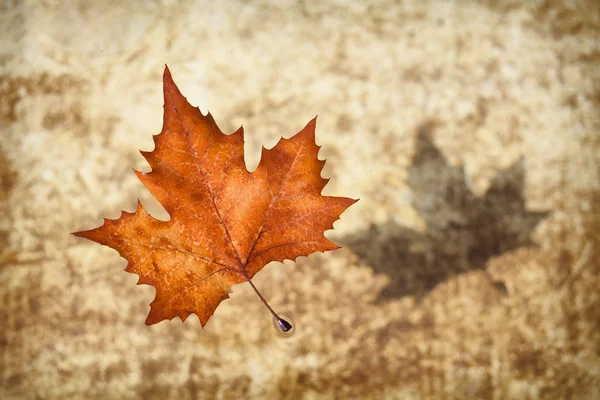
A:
284	325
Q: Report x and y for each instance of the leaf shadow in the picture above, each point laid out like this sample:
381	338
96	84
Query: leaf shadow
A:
462	232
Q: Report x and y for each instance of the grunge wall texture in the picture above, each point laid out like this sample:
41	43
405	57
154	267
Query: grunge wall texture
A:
470	131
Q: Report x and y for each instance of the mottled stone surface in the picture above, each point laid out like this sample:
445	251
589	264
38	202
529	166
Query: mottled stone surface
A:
414	306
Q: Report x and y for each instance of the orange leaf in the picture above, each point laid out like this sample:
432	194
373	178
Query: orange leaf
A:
226	223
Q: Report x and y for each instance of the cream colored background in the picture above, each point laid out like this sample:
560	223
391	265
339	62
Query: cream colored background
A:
80	93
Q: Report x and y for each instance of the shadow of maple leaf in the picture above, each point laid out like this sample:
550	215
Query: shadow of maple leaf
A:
463	230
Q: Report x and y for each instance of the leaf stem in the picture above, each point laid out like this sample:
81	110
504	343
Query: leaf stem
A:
284	325
263	299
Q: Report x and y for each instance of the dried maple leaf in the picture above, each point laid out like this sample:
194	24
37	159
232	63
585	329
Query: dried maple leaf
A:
226	223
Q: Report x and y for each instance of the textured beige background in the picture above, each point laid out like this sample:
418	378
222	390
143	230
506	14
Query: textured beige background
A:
491	82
